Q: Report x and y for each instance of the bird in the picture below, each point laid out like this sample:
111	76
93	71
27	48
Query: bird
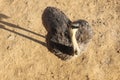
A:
65	38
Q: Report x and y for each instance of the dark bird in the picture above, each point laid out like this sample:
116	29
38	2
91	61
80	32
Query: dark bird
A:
65	38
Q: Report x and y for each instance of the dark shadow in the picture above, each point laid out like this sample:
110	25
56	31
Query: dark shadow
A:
20	34
2	16
16	26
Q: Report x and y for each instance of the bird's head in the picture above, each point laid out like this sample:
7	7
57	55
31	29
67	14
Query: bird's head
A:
73	28
79	23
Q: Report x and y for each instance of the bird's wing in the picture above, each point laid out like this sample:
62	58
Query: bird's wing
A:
56	23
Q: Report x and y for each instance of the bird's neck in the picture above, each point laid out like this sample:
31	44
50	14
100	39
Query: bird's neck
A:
74	41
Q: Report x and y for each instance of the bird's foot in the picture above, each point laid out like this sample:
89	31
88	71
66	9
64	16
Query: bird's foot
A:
76	51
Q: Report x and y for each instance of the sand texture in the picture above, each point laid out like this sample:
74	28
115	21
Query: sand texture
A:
23	51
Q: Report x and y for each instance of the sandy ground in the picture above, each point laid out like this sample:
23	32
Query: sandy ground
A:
23	52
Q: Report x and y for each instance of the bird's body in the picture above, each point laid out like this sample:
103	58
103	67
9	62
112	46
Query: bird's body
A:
56	25
63	40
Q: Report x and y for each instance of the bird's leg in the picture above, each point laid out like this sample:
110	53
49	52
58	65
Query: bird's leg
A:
74	41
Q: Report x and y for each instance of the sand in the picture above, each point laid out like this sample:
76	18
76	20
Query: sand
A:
23	51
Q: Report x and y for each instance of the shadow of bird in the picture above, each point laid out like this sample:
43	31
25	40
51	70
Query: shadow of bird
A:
2	16
14	26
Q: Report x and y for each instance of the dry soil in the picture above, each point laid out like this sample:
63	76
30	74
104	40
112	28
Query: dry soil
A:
23	52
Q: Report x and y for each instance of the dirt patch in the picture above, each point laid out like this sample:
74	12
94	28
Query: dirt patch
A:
23	52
